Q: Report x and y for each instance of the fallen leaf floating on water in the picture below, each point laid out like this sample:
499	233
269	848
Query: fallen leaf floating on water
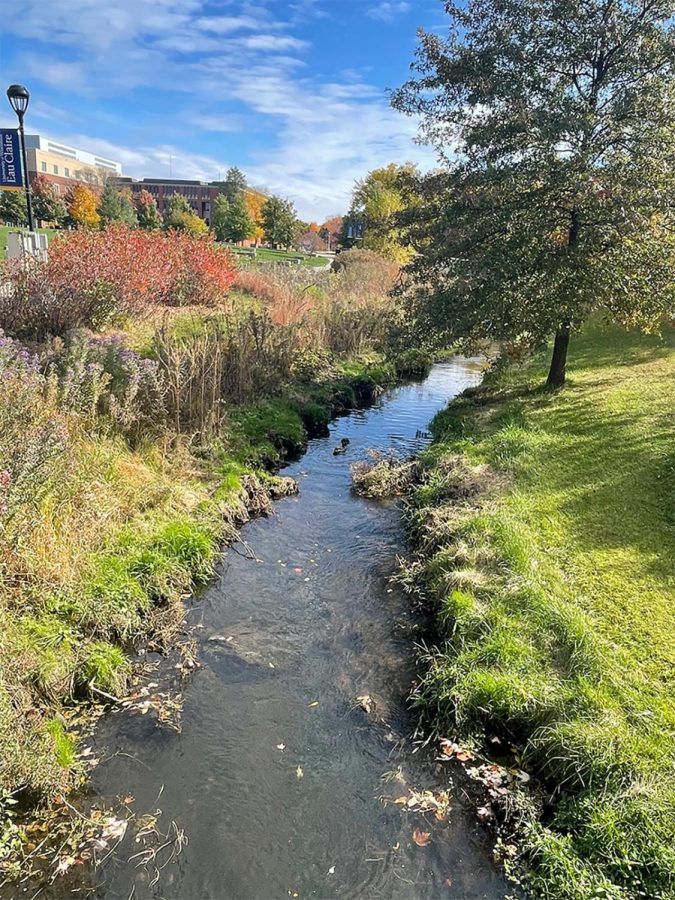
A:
115	829
421	838
426	801
64	863
299	773
366	702
450	748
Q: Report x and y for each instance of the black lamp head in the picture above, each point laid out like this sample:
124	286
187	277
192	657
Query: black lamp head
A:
18	97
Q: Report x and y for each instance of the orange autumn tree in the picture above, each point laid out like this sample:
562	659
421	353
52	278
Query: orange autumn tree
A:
254	204
82	205
330	230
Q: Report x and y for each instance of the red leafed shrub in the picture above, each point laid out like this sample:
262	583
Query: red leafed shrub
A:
93	276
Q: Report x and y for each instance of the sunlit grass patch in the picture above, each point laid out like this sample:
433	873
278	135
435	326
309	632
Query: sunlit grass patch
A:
556	602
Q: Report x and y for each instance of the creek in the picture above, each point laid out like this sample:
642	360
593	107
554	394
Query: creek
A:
278	774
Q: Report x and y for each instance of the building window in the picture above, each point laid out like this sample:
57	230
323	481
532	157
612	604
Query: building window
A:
56	170
66	172
43	166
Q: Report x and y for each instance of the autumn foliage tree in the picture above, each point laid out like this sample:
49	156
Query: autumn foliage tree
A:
254	204
377	200
47	205
82	205
554	122
331	229
147	213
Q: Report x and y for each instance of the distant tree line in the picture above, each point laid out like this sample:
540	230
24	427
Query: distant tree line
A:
238	214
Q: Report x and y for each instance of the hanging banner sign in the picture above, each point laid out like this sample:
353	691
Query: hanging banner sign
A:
10	160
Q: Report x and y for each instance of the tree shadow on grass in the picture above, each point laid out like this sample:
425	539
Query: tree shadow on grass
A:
621	495
616	347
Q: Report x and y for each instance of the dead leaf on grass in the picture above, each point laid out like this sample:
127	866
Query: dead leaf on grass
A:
421	838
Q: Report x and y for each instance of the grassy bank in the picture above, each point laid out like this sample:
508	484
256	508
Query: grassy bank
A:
546	530
120	537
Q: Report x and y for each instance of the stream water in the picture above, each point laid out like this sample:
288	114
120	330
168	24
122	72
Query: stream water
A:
278	775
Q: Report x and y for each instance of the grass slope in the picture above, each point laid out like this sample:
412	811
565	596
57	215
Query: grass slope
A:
547	528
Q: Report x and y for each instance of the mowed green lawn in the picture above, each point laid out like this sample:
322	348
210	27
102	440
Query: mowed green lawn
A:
557	598
266	255
597	487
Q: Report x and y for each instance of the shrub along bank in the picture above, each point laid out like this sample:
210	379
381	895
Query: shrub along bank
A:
545	525
130	453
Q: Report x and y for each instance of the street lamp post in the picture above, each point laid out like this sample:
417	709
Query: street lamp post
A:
18	98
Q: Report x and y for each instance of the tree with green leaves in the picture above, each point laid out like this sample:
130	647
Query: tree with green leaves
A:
231	220
234	184
279	221
110	206
147	213
174	205
376	202
116	206
179	216
127	209
554	121
47	205
13	209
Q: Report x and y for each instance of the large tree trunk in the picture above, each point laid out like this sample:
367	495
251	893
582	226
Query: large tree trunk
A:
556	373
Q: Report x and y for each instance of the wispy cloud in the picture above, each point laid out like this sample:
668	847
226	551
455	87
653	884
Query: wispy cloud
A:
386	11
274	42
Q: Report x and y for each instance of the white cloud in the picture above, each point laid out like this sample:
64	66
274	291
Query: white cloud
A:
274	42
214	123
386	11
226	24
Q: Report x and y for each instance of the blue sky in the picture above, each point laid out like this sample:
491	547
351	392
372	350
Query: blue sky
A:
291	91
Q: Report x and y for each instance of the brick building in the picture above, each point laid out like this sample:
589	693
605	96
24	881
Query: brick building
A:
200	195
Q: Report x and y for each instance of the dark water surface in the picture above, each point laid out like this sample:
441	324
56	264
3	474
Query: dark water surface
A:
317	605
